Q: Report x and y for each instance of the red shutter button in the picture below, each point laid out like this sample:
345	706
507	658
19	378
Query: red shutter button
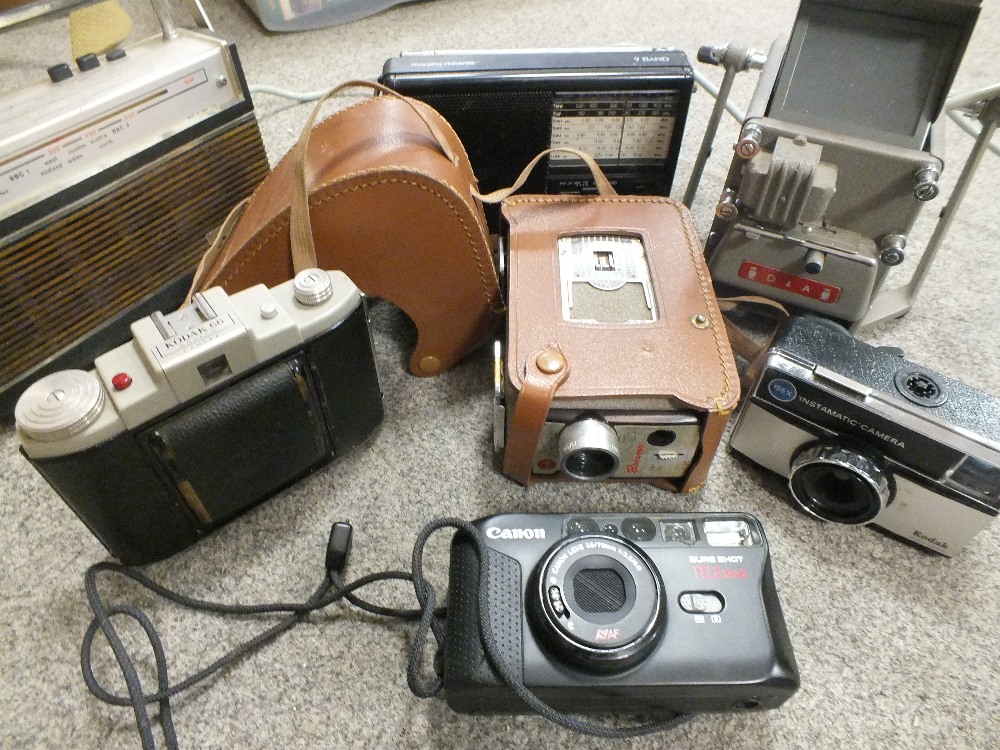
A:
121	381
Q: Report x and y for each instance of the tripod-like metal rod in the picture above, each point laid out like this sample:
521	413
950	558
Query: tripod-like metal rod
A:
166	22
734	60
990	118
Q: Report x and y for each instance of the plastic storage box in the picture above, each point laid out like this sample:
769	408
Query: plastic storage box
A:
302	15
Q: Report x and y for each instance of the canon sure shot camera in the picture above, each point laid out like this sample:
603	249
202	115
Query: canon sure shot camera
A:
616	613
207	411
865	436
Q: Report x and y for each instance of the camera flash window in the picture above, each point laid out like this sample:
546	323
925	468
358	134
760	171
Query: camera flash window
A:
732	533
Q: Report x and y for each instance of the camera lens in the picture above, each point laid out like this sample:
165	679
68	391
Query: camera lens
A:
588	449
597	602
838	484
638	529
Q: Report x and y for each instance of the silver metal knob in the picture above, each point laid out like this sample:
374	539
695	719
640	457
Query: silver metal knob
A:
312	287
728	208
891	249
814	261
926	183
748	146
60	405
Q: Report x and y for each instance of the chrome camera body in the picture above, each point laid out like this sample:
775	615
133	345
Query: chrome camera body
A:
867	437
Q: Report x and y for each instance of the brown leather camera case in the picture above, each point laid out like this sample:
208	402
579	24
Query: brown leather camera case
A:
390	202
683	357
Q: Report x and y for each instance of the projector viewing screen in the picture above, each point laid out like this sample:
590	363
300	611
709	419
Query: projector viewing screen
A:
868	73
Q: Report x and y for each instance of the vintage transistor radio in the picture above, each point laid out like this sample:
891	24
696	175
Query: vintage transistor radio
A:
112	176
624	105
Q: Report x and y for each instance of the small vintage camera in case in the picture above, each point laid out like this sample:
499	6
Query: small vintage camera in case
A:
206	412
864	436
616	364
614	613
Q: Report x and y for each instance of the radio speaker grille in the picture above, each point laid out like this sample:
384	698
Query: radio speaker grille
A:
121	245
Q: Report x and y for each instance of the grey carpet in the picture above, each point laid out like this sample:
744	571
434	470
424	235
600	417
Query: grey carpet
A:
896	648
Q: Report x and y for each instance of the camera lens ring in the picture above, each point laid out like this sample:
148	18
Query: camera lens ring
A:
588	449
598	602
839	484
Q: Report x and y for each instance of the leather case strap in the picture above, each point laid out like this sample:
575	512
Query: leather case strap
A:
383	191
543	375
303	247
604	186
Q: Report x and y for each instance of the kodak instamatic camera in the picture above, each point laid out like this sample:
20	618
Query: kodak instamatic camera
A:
611	613
616	364
837	154
206	412
865	436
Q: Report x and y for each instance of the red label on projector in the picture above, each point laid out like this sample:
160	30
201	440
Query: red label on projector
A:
802	285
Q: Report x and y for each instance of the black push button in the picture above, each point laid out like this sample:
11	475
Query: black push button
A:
116	54
87	62
60	72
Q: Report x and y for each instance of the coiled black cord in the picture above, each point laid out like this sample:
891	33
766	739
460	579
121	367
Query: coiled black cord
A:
332	589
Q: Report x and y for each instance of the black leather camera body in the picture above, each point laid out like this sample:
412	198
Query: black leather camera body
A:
613	613
206	412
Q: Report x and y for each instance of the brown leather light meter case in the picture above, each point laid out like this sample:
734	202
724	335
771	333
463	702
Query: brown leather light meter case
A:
617	364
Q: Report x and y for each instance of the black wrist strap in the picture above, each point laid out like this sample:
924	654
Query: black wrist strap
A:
331	590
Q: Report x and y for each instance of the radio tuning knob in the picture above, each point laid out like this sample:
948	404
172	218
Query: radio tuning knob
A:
312	287
60	405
